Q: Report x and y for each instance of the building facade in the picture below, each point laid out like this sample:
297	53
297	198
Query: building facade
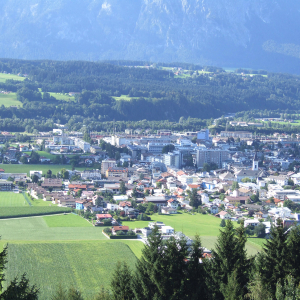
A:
211	156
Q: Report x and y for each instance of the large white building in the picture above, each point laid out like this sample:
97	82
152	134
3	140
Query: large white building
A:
172	159
107	163
203	134
211	156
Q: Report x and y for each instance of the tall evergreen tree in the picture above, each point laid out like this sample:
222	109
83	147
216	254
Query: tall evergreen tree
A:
229	255
196	283
293	245
20	290
169	273
121	282
232	290
143	287
272	263
2	266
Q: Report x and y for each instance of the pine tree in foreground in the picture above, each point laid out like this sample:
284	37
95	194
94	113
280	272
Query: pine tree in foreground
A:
121	282
293	255
273	263
229	255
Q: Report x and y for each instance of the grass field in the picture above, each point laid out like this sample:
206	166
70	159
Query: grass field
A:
184	222
41	202
125	97
36	229
297	123
11	168
63	97
4	77
11	199
83	265
69	220
9	100
207	226
26	211
43	153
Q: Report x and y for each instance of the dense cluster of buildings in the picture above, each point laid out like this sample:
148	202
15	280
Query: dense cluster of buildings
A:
164	169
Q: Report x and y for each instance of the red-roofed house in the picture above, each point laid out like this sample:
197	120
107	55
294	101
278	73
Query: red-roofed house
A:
101	217
116	229
223	215
173	203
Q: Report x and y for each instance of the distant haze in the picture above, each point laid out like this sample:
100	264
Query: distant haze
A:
260	34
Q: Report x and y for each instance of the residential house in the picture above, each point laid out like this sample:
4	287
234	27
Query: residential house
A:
251	223
55	184
112	206
116	229
223	215
214	209
168	210
101	217
173	203
167	230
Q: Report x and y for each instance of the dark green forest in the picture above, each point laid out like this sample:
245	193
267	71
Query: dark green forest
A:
155	94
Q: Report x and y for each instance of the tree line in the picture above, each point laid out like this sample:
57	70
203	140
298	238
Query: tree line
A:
153	94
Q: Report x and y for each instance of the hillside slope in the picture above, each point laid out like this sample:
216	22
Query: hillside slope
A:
227	33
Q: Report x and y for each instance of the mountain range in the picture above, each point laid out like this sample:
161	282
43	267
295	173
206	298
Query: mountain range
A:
259	34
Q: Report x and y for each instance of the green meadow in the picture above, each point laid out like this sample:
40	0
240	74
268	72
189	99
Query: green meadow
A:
207	226
9	100
11	199
87	266
4	77
20	168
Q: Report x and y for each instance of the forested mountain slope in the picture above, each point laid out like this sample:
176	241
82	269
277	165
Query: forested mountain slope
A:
259	33
148	93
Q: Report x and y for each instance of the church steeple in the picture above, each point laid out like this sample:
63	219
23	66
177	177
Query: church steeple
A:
255	163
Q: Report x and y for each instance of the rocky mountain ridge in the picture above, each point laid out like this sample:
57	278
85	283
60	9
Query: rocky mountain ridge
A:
227	33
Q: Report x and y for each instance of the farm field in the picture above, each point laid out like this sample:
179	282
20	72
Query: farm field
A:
18	168
83	265
4	77
11	199
9	100
69	220
36	229
28	211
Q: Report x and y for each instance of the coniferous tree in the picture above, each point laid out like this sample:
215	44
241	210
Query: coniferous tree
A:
103	295
2	266
289	290
20	290
121	282
60	294
272	262
293	245
229	255
169	273
74	294
257	290
143	287
196	284
232	290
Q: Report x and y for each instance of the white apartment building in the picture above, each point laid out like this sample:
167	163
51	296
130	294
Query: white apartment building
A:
107	163
172	159
211	156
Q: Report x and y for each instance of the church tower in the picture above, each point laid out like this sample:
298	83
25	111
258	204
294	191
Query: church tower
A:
255	163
